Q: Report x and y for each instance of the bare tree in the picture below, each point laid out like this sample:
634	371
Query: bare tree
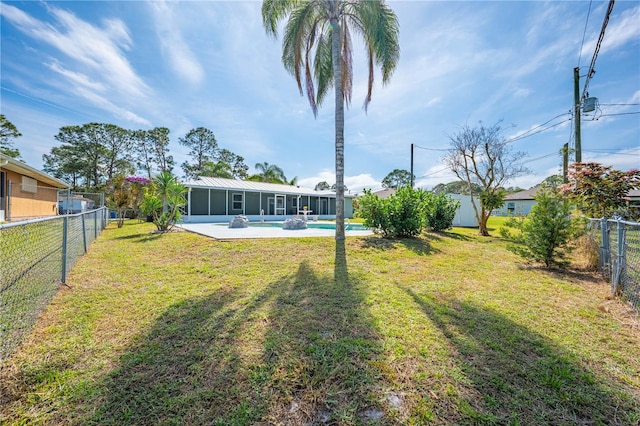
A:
481	155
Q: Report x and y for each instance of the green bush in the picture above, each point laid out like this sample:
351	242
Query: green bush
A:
400	215
440	210
163	199
546	233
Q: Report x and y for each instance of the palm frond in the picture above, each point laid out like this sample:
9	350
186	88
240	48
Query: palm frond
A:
298	30
380	30
308	77
307	42
274	11
323	65
346	62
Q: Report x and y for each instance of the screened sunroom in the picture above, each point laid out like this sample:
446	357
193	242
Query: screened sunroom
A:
219	200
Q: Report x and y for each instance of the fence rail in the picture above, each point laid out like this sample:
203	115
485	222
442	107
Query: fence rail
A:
619	243
35	257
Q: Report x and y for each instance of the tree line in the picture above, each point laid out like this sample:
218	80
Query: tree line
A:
93	154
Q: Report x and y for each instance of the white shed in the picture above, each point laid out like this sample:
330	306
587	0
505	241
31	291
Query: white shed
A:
465	215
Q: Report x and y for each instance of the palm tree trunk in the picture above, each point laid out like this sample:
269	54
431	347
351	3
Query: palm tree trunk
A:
339	119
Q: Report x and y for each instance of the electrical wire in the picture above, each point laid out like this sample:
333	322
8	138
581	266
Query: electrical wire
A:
584	33
431	149
433	173
597	49
542	157
612	151
619	113
517	138
526	134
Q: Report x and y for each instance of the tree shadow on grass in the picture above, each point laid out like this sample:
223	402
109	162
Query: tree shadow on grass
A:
452	235
141	238
301	351
508	374
420	245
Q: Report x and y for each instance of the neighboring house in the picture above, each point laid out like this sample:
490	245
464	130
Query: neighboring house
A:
384	192
520	203
25	192
75	204
634	198
465	214
517	204
219	200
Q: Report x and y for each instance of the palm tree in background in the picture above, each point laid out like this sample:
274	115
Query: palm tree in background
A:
317	44
270	173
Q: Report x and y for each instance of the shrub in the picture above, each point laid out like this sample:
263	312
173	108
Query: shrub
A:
400	215
546	233
163	199
440	210
125	193
600	191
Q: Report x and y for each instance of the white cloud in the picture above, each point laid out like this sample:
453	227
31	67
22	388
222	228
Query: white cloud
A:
623	30
97	54
178	52
355	184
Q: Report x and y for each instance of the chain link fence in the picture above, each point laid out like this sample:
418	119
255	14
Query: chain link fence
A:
619	243
35	257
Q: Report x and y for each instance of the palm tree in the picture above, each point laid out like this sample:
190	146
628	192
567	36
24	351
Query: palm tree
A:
270	173
163	199
326	26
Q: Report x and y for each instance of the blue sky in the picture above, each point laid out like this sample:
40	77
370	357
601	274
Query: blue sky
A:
184	65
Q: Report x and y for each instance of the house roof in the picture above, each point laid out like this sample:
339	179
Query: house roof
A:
246	185
527	194
384	192
9	163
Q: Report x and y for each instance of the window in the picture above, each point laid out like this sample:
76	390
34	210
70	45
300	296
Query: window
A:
29	185
236	201
511	208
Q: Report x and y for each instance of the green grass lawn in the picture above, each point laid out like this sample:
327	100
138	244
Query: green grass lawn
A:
448	328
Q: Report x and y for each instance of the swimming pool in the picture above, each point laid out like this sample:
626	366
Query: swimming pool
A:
311	225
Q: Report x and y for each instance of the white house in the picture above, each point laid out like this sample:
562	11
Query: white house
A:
517	204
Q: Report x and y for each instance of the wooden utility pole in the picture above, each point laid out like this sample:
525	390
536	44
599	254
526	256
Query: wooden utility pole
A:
576	101
565	163
411	165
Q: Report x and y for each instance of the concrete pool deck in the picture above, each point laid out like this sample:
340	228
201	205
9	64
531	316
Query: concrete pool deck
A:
221	231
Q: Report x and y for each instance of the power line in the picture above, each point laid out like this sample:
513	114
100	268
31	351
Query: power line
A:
431	149
619	113
613	151
434	173
584	33
517	138
542	157
597	49
522	136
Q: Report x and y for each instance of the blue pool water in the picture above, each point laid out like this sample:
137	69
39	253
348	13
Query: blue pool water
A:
311	225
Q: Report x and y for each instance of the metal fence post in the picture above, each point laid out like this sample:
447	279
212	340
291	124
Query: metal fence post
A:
95	225
605	251
65	228
620	263
84	233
